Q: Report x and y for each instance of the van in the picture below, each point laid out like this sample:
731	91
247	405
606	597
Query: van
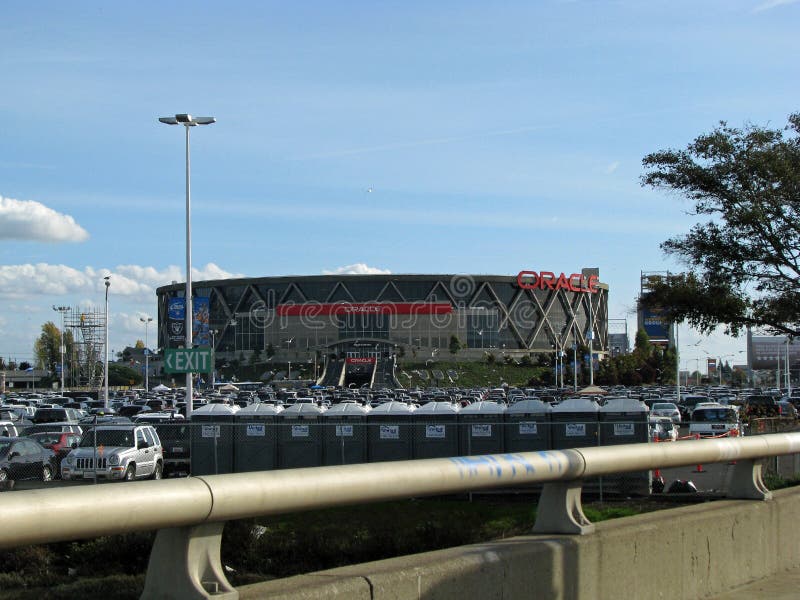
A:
715	420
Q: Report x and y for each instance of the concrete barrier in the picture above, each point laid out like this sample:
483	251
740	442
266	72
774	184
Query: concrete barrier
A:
689	552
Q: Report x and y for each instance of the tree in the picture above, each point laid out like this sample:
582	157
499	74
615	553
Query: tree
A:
255	357
119	374
46	347
455	345
642	346
744	260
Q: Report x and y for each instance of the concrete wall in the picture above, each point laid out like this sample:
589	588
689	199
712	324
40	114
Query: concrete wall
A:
688	552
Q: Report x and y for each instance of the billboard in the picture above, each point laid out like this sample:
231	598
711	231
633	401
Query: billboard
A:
176	319
655	324
711	365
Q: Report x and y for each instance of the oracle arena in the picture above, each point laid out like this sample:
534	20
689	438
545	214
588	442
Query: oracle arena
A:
363	322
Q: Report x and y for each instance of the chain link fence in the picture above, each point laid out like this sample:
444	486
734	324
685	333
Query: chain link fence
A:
231	444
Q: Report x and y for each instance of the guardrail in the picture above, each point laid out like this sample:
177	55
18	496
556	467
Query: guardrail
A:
189	514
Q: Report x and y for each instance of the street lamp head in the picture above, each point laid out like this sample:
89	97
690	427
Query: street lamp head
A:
107	280
187	120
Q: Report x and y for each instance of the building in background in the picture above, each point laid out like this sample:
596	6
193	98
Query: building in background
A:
658	328
371	319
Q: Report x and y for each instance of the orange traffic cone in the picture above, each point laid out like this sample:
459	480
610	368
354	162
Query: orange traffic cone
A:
699	469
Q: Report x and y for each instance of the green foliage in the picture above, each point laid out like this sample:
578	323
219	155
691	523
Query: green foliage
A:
255	357
742	260
455	345
642	345
121	375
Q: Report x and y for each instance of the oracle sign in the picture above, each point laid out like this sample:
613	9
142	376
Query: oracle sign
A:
360	360
547	280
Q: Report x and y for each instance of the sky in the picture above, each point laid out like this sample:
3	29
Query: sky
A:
402	137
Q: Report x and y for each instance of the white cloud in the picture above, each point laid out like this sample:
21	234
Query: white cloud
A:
770	4
612	167
356	269
20	281
30	220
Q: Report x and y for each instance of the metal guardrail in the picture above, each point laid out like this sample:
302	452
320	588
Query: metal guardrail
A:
190	513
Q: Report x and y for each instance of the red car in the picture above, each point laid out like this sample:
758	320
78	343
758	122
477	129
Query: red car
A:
60	442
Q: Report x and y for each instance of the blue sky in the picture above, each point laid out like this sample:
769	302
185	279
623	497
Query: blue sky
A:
495	137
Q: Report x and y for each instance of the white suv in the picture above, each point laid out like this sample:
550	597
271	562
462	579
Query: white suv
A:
124	452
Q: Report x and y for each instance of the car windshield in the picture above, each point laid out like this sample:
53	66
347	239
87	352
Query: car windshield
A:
720	415
663	406
107	437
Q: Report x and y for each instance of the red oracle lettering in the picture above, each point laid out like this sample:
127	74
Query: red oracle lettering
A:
524	284
575	282
576	287
547	278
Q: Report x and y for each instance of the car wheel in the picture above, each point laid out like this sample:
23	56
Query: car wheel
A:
130	473
47	473
158	471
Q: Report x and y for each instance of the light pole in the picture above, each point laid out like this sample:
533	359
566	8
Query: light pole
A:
788	378
62	310
574	366
677	366
107	280
146	355
288	342
188	122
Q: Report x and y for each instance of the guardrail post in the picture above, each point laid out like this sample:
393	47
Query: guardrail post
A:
560	510
746	481
185	565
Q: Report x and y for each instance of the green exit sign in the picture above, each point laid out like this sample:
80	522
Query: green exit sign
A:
188	360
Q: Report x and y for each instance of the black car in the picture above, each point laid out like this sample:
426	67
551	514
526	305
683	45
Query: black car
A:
24	458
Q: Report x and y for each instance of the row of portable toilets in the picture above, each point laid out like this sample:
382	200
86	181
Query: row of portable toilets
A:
263	437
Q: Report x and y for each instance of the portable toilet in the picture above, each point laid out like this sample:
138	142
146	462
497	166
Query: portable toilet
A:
528	427
300	436
435	430
256	438
625	421
212	437
575	423
344	434
481	427
390	434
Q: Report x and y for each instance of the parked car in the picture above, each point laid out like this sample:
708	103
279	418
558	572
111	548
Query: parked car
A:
122	452
663	429
50	427
666	409
786	409
10	428
174	431
760	406
60	442
715	420
24	458
687	404
55	415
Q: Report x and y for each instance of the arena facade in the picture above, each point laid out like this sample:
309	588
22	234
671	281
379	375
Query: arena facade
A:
368	319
